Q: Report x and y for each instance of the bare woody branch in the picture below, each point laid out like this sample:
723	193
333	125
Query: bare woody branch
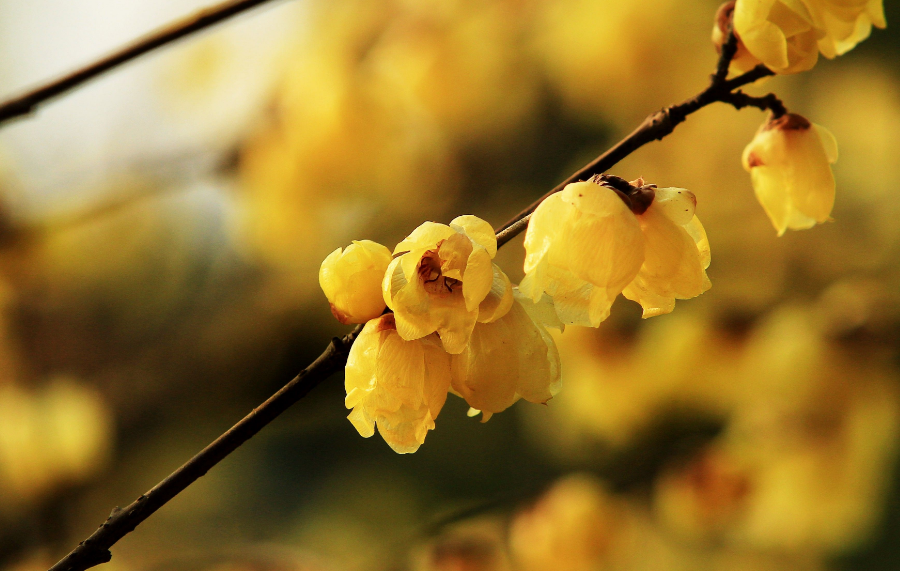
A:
28	102
95	549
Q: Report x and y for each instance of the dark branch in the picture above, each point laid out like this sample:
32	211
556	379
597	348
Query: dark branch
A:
95	549
729	49
28	102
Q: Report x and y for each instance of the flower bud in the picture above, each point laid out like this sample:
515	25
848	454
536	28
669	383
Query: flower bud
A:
789	164
351	280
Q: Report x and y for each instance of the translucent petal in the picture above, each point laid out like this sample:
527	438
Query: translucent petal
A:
479	231
400	370
498	300
478	278
506	360
672	267
426	236
678	204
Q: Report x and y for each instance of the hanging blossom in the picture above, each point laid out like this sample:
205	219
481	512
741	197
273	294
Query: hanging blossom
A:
443	280
789	163
602	237
788	35
511	358
398	385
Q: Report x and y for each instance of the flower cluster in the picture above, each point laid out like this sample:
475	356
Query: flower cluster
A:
441	317
790	158
456	324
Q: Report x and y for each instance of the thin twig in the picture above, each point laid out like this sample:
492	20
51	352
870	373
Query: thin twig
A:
29	102
95	549
654	128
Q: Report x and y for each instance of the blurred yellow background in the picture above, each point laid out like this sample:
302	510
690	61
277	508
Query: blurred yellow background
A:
161	231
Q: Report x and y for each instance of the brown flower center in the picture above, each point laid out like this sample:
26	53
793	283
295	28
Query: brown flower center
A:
636	195
432	278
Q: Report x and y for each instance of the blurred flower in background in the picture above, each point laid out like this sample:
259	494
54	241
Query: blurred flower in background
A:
161	232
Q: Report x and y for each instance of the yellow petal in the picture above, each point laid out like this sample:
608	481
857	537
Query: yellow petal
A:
478	277
673	268
498	300
507	360
479	231
426	236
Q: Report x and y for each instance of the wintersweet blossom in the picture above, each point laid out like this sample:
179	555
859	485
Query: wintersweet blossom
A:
789	163
351	280
443	280
602	237
582	247
398	385
511	358
781	34
845	22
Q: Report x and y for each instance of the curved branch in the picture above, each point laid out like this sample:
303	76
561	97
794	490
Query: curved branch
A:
28	102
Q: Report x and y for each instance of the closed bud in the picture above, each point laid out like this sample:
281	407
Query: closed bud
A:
351	280
789	164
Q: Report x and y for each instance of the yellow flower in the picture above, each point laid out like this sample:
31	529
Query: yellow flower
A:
789	164
596	239
845	22
352	279
399	385
676	253
779	33
583	246
511	358
444	281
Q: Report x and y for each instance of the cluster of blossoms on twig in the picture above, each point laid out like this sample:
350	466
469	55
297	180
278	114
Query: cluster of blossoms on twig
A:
440	317
456	323
789	158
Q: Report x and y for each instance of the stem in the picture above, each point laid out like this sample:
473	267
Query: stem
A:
28	102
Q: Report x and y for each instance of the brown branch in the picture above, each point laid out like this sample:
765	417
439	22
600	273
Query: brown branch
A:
95	549
29	102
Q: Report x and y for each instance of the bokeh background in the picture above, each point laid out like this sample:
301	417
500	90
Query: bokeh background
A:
161	231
